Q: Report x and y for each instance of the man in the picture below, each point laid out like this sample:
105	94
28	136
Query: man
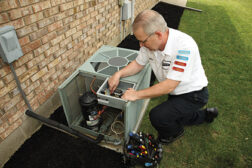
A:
175	60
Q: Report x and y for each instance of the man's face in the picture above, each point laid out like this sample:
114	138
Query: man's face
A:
149	41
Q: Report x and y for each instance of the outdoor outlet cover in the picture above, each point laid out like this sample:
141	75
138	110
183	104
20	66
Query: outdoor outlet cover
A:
10	49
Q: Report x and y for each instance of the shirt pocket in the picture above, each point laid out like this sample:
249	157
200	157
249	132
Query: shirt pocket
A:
166	62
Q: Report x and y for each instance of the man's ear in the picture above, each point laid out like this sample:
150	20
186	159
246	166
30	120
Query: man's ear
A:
159	34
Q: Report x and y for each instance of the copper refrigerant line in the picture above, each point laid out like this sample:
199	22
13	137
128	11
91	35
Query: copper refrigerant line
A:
91	84
104	107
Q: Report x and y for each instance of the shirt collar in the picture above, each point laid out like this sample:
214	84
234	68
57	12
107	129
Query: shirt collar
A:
168	46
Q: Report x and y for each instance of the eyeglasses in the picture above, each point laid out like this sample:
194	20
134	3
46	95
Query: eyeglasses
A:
145	39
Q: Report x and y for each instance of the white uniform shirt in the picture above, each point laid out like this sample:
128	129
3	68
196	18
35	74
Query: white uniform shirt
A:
179	61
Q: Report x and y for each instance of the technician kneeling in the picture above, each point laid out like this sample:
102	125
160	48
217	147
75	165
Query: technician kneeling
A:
175	60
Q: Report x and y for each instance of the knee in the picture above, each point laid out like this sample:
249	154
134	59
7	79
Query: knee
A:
159	116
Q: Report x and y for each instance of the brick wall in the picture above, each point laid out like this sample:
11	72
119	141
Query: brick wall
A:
56	37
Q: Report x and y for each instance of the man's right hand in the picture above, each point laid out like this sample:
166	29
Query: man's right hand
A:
113	82
130	69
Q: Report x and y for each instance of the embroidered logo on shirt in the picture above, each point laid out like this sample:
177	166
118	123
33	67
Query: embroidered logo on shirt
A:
183	52
182	57
166	64
178	69
180	63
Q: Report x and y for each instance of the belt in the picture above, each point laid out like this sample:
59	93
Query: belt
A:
201	89
204	88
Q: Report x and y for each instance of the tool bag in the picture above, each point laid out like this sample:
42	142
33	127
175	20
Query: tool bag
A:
142	149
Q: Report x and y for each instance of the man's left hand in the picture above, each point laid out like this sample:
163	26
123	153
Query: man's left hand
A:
130	95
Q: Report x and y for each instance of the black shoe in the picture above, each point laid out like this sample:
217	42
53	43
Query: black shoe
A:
166	141
211	114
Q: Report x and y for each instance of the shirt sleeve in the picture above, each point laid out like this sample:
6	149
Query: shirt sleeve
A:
142	57
182	64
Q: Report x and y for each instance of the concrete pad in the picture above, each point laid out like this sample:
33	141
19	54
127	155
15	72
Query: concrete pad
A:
176	2
55	100
10	145
29	126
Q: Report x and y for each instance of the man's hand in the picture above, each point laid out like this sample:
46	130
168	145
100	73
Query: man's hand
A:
159	89
130	95
113	82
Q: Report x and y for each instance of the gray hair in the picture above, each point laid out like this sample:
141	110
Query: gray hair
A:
151	21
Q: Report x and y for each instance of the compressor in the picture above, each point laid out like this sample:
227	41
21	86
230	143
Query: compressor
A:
89	107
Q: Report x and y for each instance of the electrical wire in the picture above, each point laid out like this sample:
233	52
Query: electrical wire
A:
113	127
20	88
114	123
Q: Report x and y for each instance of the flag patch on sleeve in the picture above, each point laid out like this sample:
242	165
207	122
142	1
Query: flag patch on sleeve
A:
184	58
180	63
178	69
183	52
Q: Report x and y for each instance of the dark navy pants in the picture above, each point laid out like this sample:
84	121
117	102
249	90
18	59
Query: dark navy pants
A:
171	116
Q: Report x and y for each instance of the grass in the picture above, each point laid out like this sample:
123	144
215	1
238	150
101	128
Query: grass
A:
223	32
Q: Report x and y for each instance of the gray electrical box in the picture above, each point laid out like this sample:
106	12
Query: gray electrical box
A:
10	49
126	10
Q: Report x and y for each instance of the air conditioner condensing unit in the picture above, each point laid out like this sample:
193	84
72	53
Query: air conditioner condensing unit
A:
92	76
